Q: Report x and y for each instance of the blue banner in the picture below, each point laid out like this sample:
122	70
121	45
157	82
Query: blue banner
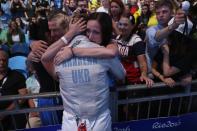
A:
178	123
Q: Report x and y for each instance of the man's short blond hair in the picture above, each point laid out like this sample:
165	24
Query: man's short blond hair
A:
60	16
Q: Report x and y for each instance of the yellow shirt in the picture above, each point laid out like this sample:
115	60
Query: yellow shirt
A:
137	14
152	20
93	5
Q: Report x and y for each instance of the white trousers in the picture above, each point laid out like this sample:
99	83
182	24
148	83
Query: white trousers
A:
101	123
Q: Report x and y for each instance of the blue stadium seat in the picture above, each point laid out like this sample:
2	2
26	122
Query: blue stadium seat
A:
19	48
18	63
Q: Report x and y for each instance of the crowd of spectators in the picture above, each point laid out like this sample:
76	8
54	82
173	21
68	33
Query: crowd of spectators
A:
155	41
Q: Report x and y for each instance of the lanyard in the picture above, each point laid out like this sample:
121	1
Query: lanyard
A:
4	80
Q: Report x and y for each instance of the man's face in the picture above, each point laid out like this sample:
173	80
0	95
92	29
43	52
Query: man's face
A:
3	61
144	9
163	15
56	31
82	4
70	3
105	3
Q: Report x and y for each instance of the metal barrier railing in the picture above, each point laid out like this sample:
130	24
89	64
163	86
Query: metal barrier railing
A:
126	108
186	95
15	98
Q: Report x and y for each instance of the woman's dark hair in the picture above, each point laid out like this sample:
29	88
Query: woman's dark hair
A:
130	17
13	21
148	13
105	22
22	25
180	43
182	51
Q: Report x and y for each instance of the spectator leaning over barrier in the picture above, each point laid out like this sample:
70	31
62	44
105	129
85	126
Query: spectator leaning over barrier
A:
157	70
179	55
157	35
132	52
177	64
84	80
12	83
57	23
